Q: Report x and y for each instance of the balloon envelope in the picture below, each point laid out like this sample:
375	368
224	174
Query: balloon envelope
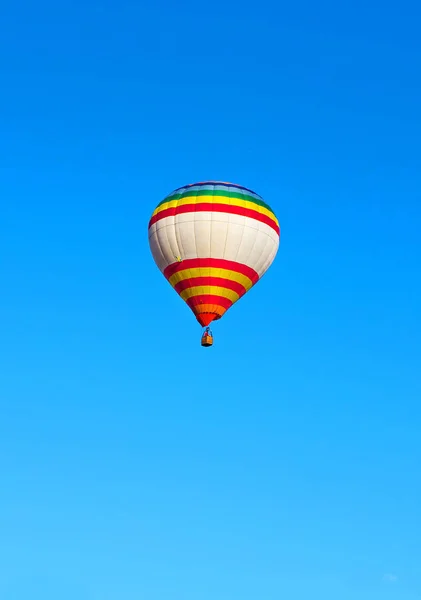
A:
213	241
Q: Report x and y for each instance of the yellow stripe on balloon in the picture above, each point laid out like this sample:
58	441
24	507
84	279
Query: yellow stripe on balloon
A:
216	200
211	290
210	272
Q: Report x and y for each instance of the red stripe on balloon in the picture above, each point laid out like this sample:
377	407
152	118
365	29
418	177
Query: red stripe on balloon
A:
216	263
208	299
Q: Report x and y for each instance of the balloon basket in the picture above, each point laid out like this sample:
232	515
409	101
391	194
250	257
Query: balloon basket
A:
207	340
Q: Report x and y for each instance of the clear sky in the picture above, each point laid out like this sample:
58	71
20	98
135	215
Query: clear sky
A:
285	462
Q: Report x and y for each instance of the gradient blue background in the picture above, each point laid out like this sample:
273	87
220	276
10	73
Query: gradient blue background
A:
286	461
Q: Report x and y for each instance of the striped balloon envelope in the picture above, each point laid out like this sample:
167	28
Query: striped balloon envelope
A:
213	241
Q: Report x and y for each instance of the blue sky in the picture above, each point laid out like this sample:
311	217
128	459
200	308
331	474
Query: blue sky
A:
285	461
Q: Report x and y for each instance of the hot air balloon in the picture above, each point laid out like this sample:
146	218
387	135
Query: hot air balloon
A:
213	241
